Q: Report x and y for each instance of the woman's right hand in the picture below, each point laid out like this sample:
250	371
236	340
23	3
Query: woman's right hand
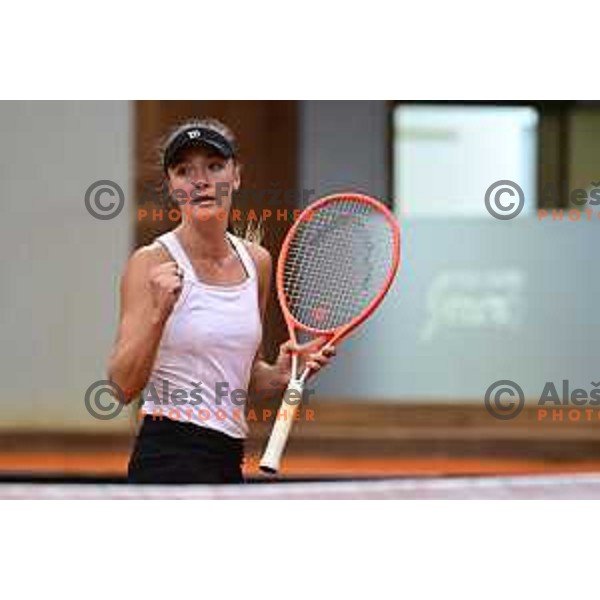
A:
166	283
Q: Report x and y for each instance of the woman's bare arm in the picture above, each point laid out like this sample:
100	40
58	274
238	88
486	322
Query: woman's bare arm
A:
149	289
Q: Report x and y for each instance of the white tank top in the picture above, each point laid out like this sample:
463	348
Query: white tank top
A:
207	348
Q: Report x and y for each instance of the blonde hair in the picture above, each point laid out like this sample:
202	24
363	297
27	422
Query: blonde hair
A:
252	232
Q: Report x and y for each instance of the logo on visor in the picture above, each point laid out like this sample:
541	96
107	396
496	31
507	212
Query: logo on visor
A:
196	133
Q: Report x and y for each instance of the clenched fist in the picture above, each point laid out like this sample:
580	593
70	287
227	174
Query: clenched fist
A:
166	283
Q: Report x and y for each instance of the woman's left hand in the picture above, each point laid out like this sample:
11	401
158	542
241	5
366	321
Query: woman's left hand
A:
315	355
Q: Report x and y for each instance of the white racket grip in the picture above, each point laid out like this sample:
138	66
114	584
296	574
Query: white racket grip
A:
281	429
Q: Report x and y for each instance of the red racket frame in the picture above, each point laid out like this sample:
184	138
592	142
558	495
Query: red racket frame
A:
336	333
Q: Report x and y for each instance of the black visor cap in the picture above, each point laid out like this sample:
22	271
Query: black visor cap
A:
197	136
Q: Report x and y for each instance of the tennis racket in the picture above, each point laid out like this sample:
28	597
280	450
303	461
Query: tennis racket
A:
336	264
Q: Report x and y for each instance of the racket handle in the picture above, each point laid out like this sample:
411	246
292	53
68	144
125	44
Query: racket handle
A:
271	457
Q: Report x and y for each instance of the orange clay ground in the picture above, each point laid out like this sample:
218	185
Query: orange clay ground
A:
115	465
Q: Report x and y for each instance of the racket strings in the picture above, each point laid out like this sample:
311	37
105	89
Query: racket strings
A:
337	262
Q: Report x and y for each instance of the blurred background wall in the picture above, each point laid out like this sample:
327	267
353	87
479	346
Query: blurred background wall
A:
477	299
60	267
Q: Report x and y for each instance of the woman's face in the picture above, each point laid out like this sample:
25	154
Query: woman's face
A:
202	183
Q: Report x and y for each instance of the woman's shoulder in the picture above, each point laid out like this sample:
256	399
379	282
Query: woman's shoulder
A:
264	266
263	262
259	253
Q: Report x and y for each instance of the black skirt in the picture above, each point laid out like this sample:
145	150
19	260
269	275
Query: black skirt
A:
174	452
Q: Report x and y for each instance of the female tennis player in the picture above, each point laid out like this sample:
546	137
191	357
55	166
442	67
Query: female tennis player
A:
192	310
